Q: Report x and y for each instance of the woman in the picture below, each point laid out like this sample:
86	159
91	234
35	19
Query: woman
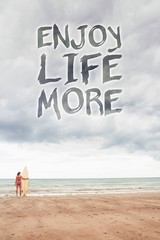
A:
18	183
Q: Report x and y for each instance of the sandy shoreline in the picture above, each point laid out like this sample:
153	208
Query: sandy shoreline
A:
89	217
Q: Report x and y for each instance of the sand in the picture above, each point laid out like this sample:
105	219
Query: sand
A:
85	217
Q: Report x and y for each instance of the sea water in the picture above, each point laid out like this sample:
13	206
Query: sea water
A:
83	186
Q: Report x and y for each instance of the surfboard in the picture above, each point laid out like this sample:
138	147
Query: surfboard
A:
24	182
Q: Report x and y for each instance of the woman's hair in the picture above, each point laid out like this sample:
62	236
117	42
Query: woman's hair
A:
18	173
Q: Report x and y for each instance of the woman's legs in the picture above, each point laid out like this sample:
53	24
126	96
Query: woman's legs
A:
18	187
20	190
16	190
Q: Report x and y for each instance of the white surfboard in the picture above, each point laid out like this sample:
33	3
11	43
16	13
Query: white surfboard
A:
24	182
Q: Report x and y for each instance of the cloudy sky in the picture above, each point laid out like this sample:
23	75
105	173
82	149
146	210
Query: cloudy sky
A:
125	144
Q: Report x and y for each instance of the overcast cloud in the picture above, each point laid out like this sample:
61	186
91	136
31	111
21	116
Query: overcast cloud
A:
118	145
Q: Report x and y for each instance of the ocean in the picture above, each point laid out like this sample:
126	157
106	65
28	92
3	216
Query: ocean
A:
39	187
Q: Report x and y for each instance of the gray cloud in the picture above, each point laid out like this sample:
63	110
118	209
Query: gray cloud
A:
136	128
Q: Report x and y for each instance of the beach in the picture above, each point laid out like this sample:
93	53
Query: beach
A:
127	216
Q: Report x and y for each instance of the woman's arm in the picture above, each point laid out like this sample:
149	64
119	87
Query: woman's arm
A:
25	178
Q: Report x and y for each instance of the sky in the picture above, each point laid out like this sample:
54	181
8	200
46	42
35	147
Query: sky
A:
120	144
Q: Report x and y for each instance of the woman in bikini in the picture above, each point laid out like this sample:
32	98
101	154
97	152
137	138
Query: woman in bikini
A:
18	183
